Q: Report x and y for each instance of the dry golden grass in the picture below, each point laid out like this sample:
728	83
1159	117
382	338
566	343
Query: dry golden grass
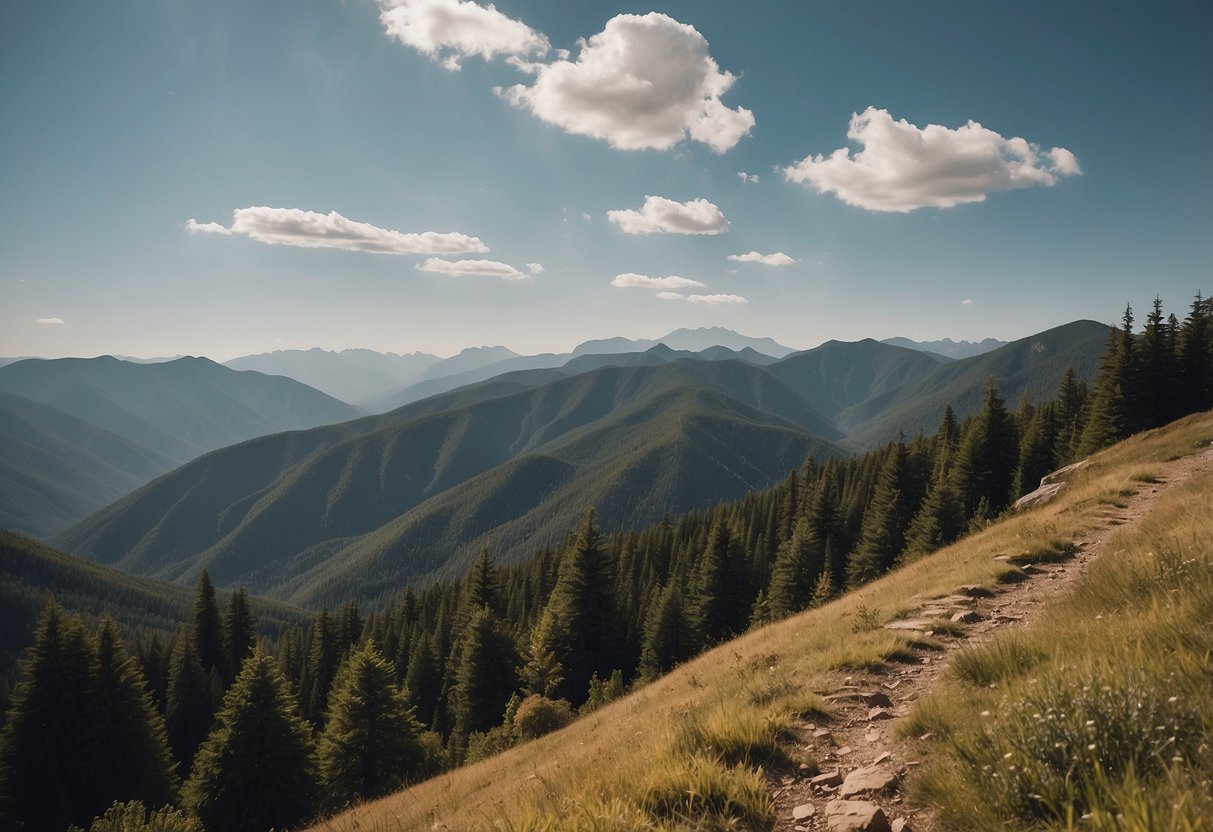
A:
639	762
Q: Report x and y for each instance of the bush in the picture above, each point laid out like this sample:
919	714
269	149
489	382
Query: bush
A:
134	817
538	715
482	745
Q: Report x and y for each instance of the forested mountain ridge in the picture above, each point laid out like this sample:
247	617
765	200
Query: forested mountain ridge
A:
275	503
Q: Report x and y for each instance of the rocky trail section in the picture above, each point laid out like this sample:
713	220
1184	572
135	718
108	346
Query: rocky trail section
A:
862	760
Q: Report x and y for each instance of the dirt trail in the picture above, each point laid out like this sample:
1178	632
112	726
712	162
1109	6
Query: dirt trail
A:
868	707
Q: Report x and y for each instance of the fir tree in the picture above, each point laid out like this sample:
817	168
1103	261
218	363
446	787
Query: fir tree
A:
580	626
669	637
371	739
939	521
1114	410
721	606
45	780
206	630
127	746
1036	451
798	566
424	679
239	633
485	678
323	660
1159	369
191	704
257	769
882	537
986	456
1195	349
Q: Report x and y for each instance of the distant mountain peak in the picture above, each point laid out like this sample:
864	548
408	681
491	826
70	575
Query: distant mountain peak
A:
947	347
688	340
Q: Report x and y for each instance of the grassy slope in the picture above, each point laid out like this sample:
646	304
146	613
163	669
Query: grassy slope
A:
617	768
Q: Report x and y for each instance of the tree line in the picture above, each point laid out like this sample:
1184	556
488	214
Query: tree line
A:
241	733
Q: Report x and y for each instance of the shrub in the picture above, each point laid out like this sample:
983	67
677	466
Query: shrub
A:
135	817
538	715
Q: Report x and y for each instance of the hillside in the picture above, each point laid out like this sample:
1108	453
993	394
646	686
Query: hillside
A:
721	740
57	469
1030	367
269	512
80	433
31	573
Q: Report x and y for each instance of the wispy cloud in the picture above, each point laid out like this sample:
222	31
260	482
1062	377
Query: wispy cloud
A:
49	321
661	215
642	82
967	302
903	167
711	300
747	178
308	229
643	281
776	259
534	268
451	30
471	268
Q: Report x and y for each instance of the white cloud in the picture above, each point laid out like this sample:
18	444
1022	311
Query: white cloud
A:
776	259
194	227
903	167
642	82
716	299
967	302
535	268
308	229
471	268
450	30
643	281
747	178
49	321
711	300
661	215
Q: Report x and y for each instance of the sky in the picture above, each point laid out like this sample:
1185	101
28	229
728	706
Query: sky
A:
225	177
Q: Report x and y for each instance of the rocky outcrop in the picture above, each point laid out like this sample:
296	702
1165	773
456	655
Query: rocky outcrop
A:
1050	486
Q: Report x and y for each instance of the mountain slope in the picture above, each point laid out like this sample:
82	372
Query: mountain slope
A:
179	409
57	469
1030	367
31	573
269	509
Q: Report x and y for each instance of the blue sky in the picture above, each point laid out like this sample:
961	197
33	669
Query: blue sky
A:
124	121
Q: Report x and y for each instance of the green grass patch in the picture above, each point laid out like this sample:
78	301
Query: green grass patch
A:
704	794
1010	575
1005	658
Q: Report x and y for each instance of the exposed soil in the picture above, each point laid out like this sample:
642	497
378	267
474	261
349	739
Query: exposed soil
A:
863	729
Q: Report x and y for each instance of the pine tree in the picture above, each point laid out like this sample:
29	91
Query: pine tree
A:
127	746
206	630
257	769
986	456
1068	413
720	604
1159	369
239	633
939	520
580	626
191	704
1036	451
882	536
669	637
1195	352
798	566
371	739
1114	411
485	678
423	679
323	660
45	782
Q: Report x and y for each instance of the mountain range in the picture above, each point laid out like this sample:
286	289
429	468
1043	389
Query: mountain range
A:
360	508
947	347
